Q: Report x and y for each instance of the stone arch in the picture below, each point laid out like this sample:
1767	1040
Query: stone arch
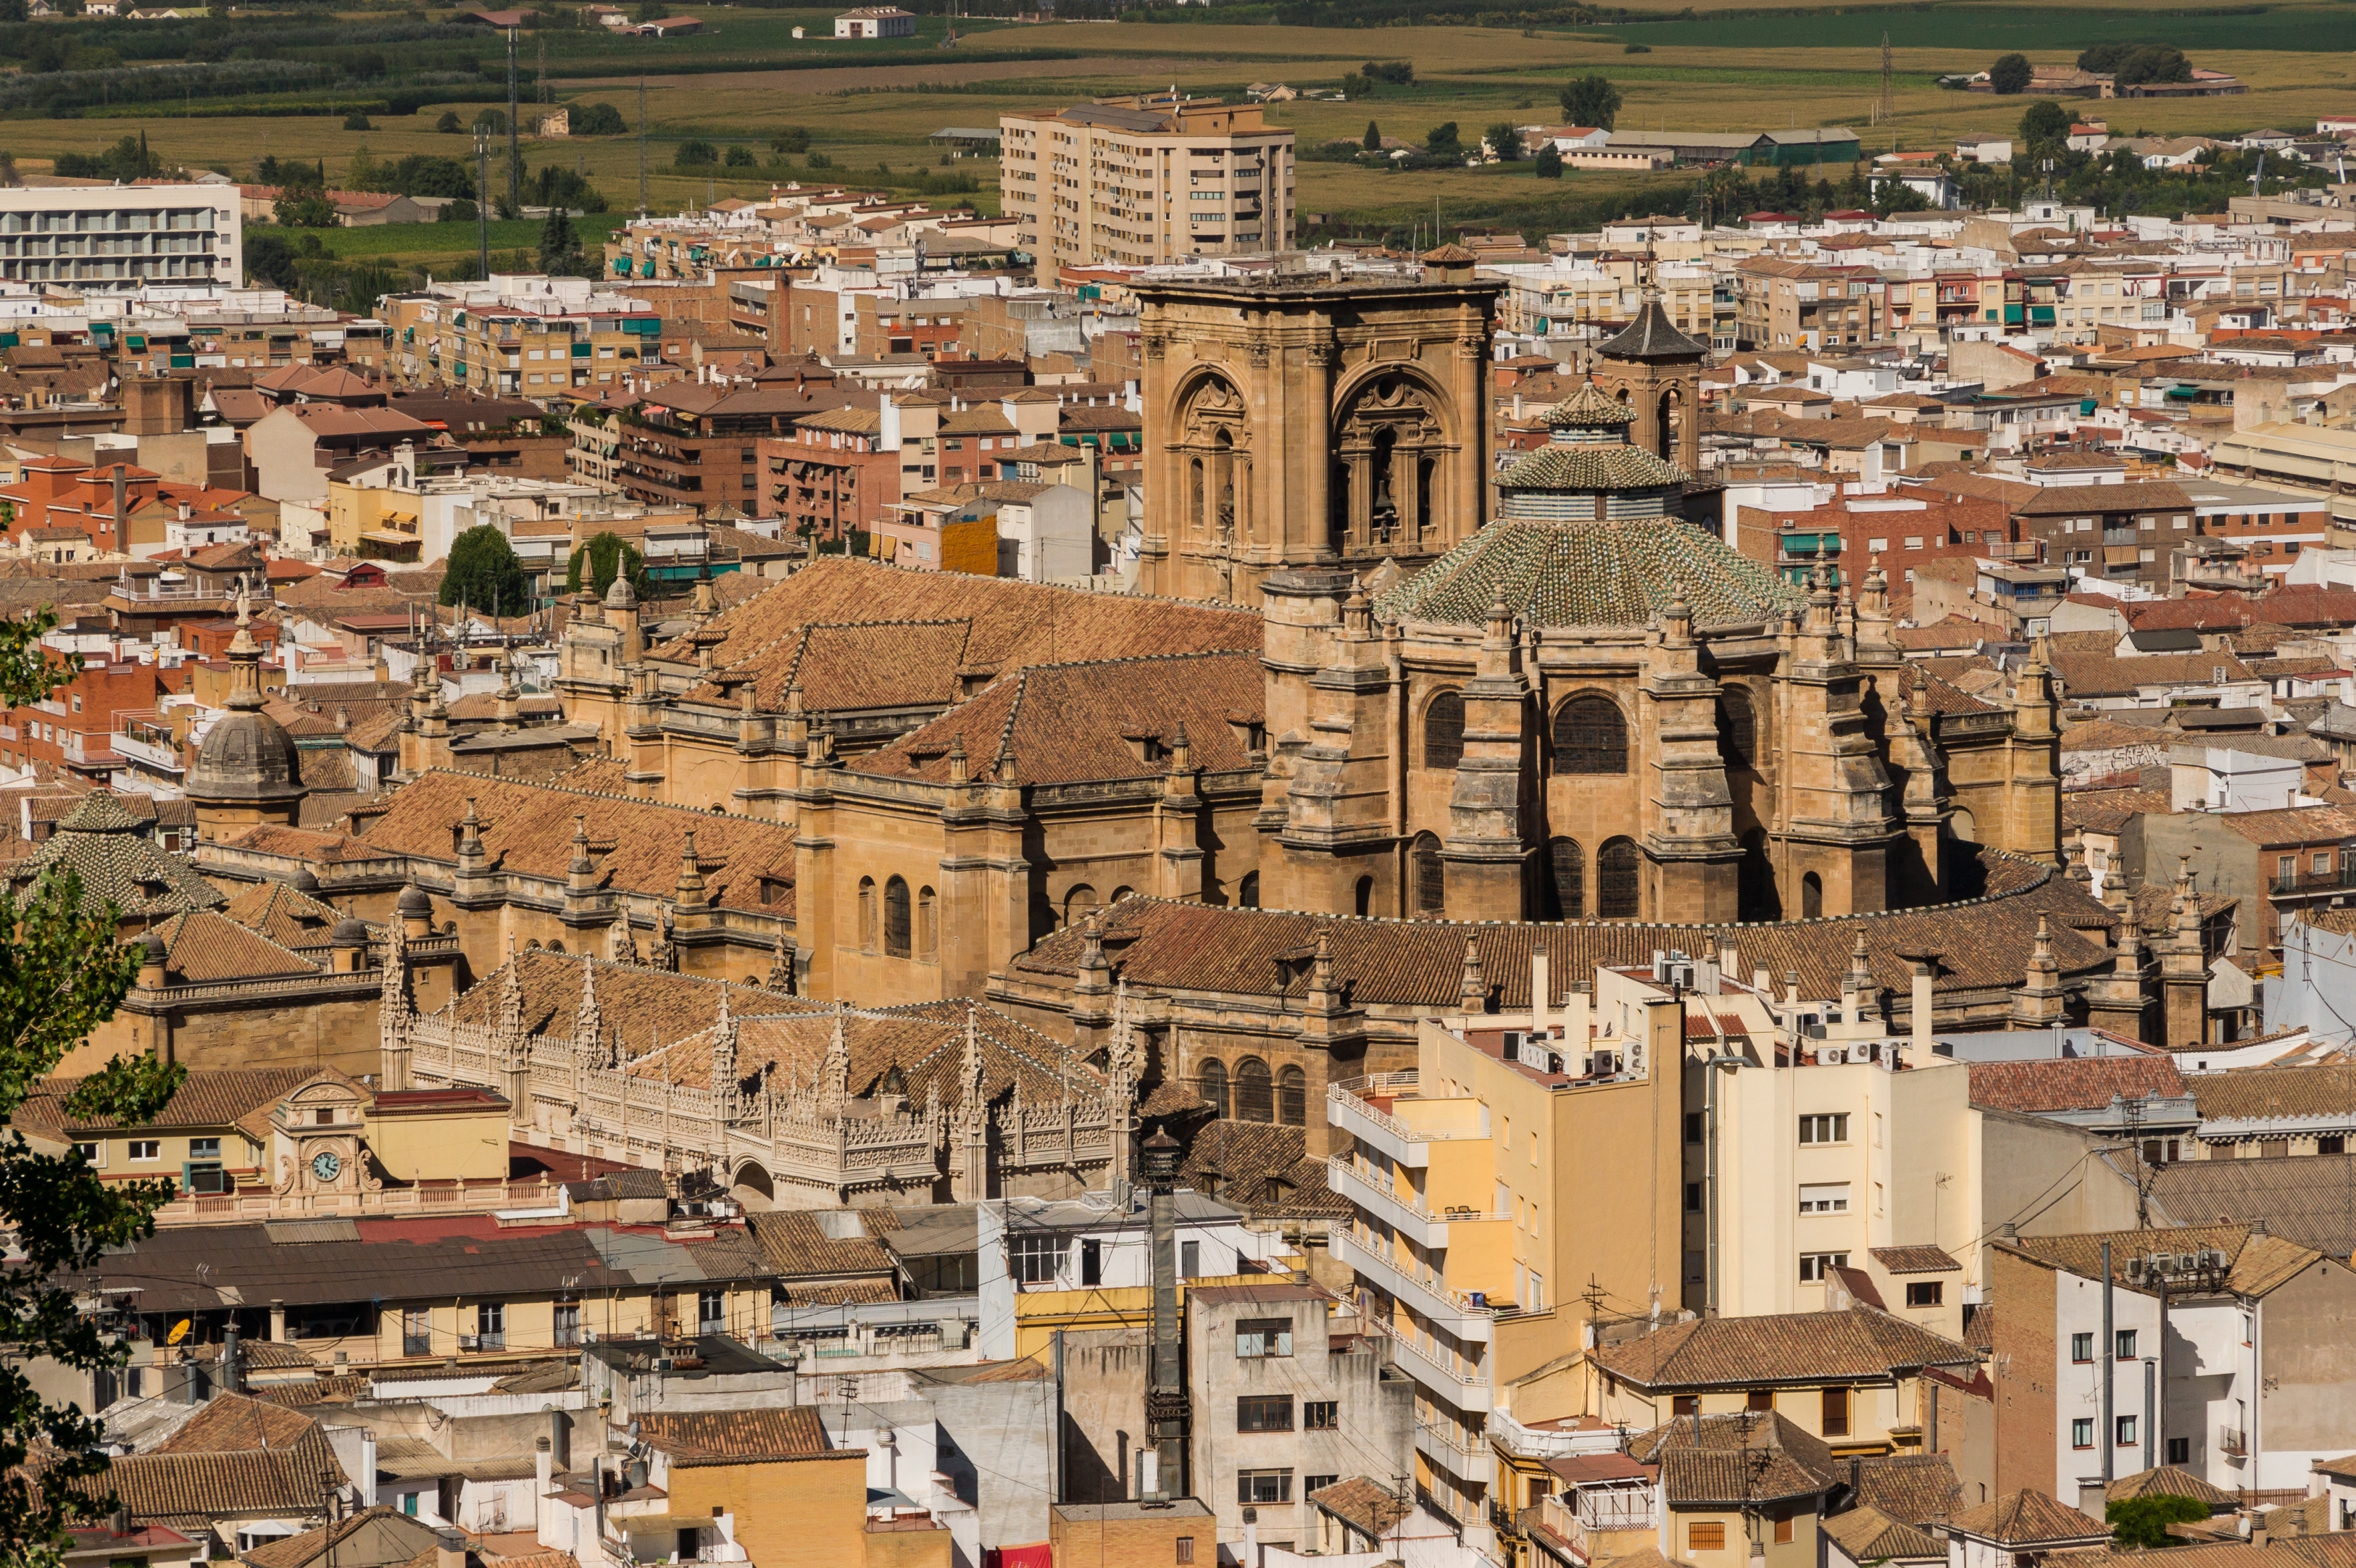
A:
1430	877
1619	887
1567	873
899	920
1590	736
1396	438
1755	895
1247	891
1443	731
1120	892
867	913
752	1188
928	923
1362	897
1210	1083
1077	901
1210	434
1254	1091
1738	727
1669	425
1291	1096
1812	897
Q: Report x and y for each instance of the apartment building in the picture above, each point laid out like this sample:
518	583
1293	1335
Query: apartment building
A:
557	339
118	240
1145	180
1521	1145
1794	305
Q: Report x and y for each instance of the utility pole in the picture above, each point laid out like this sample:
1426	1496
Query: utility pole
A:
483	190
515	157
1885	108
642	143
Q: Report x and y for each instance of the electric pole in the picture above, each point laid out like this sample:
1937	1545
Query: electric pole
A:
483	207
1885	108
642	143
515	157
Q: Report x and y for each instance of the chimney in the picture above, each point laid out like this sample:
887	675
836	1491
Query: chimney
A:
449	1549
1161	1476
1920	1008
231	1377
543	1466
1539	996
365	1483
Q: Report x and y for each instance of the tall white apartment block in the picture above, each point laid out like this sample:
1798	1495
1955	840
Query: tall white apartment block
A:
119	239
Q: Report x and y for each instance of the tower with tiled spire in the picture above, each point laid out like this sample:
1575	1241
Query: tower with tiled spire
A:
1656	369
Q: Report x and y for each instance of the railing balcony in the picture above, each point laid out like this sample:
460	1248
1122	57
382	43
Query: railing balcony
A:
1374	1194
1414	1284
2232	1440
1443	1444
2335	882
1448	1377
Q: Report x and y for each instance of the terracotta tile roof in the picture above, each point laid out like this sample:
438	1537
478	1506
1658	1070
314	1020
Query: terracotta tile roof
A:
2107	810
838	1292
795	1243
2255	1264
2292	825
232	1420
1709	1479
1757	1455
379	1523
2030	1517
212	1486
1920	1259
1869	1535
286	916
1069	723
1979	1327
1941	696
1262	1167
202	947
2303	1201
1169	945
1913	1488
2107	674
2075	1084
732	1436
526	829
338	1388
1806	1347
2251	1094
1365	1506
108	849
1011	624
648	1007
2169	1482
210	1097
854	667
1591	574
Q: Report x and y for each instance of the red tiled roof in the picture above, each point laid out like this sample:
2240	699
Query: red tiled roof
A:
2075	1084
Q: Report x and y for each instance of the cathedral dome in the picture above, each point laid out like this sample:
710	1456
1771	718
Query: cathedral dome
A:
247	758
1612	573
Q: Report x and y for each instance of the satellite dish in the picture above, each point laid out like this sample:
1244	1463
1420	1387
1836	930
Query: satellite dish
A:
180	1331
634	1432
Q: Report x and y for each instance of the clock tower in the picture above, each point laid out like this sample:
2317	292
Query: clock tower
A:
319	1143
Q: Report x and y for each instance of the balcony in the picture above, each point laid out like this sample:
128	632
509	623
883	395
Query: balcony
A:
1443	1444
2233	1442
1421	1289
1372	1193
1446	1376
2298	882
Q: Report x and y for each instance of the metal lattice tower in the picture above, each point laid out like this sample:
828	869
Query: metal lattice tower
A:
642	143
1885	108
515	157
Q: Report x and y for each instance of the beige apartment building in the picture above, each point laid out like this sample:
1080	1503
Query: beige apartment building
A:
1144	180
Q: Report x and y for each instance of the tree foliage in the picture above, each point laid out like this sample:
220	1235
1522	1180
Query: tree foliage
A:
2144	1521
597	120
559	248
1591	101
62	971
1504	141
1373	138
2011	74
126	160
604	557
1442	141
484	573
1547	164
2044	126
695	153
2131	65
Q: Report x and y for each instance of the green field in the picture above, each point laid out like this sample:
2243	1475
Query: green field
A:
423	242
1992	29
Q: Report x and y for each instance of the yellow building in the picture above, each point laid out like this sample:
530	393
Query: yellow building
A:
1478	1178
523	348
1144	180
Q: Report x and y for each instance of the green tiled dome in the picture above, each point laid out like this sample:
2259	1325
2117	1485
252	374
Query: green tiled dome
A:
1590	406
1616	573
1610	465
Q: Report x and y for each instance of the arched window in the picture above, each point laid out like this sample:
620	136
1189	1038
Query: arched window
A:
928	924
1431	875
1616	894
1254	1093
1194	507
1363	897
1812	896
1590	736
1078	903
896	918
867	913
1119	894
1210	1083
1247	891
1738	727
1443	731
1293	1097
1569	867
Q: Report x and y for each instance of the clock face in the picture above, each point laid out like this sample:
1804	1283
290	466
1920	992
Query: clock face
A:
326	1164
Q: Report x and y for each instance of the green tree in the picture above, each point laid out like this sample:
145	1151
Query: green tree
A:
1547	164
1591	101
2144	1521
483	571
1373	139
597	120
2153	63
62	971
303	209
269	261
1503	141
364	173
449	125
559	248
458	210
1441	141
740	157
2009	74
601	560
792	138
358	119
2044	126
695	153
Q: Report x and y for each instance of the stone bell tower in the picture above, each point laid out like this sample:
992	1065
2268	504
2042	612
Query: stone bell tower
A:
1320	418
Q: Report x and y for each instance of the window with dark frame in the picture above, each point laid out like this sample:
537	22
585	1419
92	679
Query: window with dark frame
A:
1836	1421
1443	732
1617	893
2081	1431
1321	1415
2082	1347
1925	1293
1264	1412
1261	1337
1590	737
1254	1486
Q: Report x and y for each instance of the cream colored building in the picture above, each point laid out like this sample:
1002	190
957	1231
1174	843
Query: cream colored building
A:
1144	180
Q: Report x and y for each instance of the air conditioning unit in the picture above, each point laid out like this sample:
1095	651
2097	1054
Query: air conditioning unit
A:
2135	1268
